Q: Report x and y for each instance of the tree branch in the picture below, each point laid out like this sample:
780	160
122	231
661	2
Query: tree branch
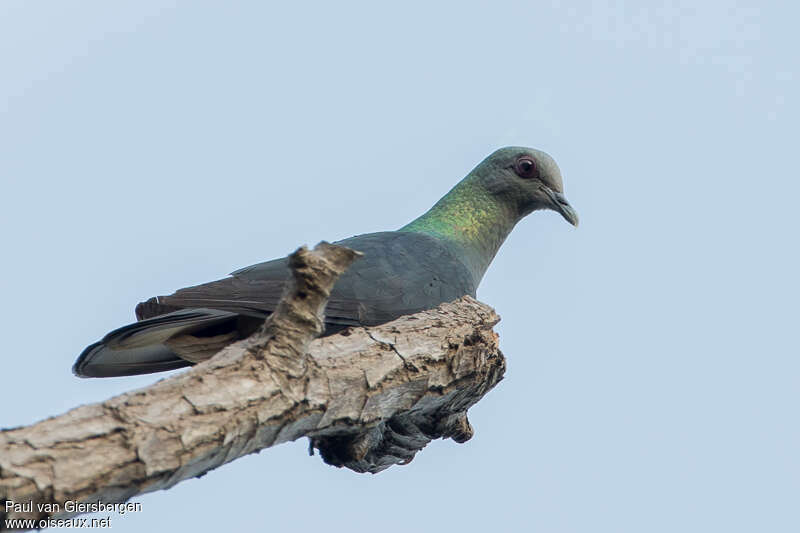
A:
367	398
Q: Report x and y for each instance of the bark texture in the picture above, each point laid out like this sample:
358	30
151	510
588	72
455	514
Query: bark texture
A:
367	398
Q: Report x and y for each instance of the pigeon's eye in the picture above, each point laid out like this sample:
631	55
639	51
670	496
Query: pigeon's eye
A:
526	167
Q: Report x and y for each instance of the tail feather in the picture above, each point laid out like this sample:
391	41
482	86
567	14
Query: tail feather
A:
159	329
99	361
143	347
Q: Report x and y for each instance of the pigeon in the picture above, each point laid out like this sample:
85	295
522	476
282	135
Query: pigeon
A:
438	257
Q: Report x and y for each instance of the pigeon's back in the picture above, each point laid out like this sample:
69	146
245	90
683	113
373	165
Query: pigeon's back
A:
400	273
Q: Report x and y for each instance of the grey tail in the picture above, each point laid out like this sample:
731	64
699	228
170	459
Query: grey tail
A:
144	347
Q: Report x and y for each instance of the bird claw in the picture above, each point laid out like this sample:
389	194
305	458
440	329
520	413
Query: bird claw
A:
393	442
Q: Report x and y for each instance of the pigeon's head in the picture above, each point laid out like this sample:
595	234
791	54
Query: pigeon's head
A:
526	179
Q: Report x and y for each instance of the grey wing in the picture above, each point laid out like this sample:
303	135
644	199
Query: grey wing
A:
253	291
399	274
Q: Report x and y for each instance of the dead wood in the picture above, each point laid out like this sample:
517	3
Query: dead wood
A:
367	398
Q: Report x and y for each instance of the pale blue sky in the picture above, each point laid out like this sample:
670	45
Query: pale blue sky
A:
653	370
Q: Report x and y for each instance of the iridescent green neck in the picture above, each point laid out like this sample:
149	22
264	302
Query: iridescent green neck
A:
471	220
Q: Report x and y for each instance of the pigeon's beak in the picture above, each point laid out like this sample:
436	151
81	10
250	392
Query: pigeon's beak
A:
558	202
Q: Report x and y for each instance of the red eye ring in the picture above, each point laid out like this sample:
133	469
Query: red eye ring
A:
525	167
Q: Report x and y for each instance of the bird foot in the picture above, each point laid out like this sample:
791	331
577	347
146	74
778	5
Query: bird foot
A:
393	442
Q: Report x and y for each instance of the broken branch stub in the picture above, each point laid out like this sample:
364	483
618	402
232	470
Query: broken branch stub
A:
367	398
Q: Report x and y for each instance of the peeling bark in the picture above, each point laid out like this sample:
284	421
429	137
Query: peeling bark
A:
367	398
